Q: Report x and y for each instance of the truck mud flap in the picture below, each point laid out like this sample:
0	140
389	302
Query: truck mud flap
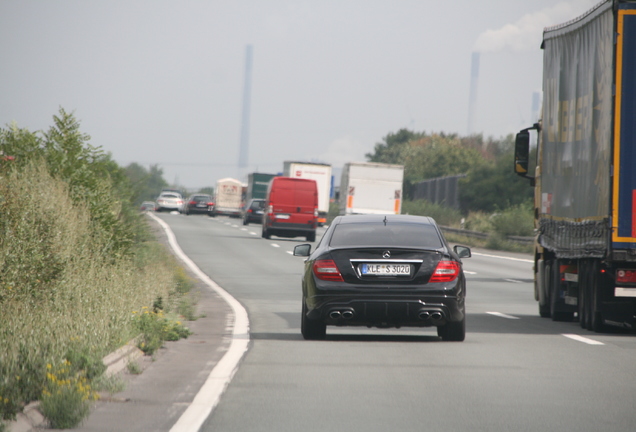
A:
619	313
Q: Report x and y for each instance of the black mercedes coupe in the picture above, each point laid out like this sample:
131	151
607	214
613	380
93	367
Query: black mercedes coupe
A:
383	271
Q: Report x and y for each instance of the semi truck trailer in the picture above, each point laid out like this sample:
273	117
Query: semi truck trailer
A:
582	170
371	188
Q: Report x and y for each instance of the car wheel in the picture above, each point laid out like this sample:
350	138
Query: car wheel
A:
453	331
265	233
311	329
311	237
245	222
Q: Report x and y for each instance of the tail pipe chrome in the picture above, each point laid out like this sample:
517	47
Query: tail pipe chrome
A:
433	315
346	314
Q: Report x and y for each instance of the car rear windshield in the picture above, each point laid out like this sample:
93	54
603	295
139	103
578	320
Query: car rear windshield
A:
393	235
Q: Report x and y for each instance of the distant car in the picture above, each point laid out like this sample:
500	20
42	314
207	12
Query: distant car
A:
253	211
383	271
147	206
197	203
292	208
169	201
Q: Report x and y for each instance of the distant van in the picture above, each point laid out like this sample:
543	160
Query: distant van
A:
291	208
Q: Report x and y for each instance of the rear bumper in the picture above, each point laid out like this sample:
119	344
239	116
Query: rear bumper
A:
290	229
410	311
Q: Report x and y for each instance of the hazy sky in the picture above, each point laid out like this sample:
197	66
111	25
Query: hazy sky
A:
161	82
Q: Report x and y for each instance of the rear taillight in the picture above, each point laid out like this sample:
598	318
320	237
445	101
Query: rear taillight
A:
249	210
270	209
625	276
316	212
193	203
446	271
327	270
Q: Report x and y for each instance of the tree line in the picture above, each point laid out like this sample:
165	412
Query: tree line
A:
489	184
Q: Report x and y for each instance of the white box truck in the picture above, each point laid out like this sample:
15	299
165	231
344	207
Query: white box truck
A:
319	172
371	188
228	198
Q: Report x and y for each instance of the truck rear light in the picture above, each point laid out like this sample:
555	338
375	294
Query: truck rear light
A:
327	270
625	276
446	271
315	212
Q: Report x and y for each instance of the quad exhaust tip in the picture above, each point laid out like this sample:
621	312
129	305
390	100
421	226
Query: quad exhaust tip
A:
344	314
433	315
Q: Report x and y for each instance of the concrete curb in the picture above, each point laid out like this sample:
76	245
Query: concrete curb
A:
31	417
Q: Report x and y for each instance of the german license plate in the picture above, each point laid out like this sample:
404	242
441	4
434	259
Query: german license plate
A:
385	269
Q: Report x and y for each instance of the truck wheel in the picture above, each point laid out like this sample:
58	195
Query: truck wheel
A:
582	299
544	309
311	329
595	319
555	301
311	237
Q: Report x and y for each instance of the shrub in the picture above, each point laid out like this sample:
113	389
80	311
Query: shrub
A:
66	398
156	328
517	220
443	215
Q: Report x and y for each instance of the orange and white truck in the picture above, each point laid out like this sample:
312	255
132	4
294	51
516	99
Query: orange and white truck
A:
371	188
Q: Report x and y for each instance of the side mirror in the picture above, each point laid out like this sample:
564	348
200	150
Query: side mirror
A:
302	250
522	152
462	251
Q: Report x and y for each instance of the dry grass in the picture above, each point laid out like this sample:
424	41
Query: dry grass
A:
58	293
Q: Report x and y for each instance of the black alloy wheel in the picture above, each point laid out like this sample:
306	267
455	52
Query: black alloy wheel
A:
311	329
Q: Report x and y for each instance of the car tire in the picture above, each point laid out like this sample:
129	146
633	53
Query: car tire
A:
245	222
311	329
311	237
453	331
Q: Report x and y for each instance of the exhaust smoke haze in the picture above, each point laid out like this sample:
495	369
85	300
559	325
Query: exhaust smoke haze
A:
526	33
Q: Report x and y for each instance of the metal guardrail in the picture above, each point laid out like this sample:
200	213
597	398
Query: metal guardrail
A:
483	236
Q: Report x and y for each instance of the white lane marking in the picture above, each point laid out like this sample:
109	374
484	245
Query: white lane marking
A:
234	226
469	272
274	245
252	232
210	393
290	252
502	315
583	339
502	257
513	280
243	229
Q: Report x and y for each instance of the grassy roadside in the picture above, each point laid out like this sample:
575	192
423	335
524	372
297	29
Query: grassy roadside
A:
65	301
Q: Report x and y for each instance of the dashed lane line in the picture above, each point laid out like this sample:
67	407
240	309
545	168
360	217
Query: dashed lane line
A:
582	339
503	315
503	257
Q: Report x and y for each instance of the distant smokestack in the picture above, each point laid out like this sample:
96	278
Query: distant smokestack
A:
474	79
245	120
